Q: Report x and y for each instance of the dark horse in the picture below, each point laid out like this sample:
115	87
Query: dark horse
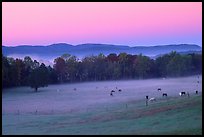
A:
182	93
112	92
164	94
159	89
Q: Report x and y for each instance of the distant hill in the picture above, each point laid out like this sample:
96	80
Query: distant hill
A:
52	51
182	53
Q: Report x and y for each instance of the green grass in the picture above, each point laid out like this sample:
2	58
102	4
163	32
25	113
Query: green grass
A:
169	117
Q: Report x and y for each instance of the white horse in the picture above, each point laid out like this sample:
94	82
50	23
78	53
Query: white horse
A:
152	99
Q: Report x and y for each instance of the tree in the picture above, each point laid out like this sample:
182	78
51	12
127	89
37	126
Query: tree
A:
21	76
35	65
100	65
60	67
52	75
142	66
123	62
196	63
68	68
71	63
39	77
112	57
5	72
28	62
29	66
13	77
161	64
89	68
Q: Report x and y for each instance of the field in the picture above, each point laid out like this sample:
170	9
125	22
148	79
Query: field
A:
59	109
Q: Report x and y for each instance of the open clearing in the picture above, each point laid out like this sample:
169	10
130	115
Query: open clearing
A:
59	109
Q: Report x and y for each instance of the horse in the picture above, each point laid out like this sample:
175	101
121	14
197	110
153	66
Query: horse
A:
196	91
119	90
182	93
164	94
147	97
112	92
152	99
159	89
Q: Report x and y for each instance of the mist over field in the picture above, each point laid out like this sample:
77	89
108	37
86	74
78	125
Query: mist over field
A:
63	98
27	112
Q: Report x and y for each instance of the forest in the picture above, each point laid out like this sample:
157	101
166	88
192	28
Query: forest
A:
69	69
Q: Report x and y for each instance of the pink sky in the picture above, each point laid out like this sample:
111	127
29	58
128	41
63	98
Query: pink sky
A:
124	23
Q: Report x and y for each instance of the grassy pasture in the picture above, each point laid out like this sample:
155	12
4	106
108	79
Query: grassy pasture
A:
95	112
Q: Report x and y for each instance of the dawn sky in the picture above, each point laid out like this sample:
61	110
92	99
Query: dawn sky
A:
122	23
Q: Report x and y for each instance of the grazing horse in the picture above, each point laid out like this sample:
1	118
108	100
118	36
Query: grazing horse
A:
152	99
196	91
119	90
112	92
159	89
147	97
182	93
164	94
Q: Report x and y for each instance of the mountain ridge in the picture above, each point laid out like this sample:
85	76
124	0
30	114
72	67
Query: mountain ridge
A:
57	44
81	50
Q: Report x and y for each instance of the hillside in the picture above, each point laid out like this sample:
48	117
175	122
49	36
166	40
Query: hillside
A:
89	49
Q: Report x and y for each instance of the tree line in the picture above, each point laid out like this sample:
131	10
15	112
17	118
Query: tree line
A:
68	68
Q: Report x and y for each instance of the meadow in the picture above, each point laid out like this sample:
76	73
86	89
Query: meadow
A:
88	108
